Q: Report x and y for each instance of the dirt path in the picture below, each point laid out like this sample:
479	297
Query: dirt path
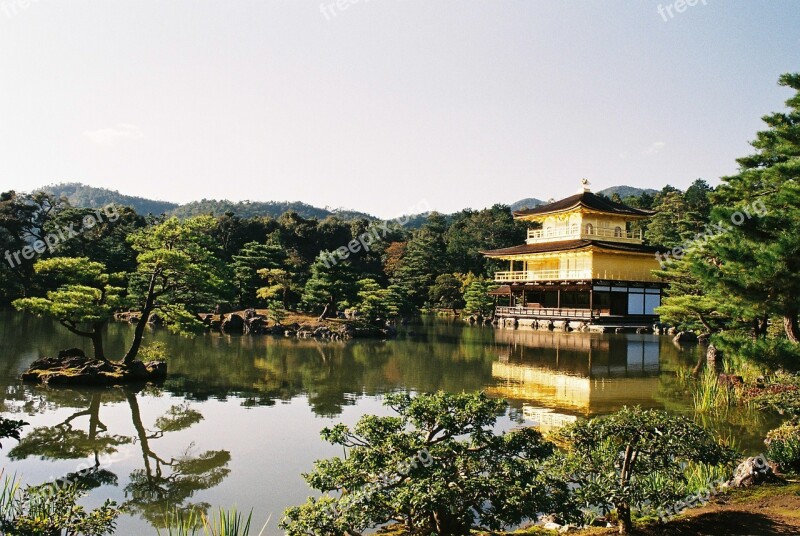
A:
762	511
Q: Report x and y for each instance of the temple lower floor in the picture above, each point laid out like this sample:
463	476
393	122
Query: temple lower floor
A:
594	301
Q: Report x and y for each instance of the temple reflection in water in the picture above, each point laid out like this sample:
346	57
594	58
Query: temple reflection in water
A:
556	377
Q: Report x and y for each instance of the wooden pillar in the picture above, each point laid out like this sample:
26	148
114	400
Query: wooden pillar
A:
591	303
558	299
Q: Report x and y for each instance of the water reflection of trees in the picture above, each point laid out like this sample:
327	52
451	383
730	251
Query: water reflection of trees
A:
66	442
331	375
163	483
160	483
265	370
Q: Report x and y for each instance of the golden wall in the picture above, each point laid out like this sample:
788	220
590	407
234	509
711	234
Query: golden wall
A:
623	266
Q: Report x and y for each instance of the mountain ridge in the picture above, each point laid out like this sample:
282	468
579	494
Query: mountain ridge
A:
83	195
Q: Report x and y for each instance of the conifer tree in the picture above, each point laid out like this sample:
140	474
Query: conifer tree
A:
246	265
758	260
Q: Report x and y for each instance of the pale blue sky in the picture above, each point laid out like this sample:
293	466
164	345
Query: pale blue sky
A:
387	102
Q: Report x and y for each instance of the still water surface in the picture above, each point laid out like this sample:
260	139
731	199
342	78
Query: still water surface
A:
238	420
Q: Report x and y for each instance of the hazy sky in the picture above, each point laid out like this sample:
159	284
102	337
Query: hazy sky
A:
377	105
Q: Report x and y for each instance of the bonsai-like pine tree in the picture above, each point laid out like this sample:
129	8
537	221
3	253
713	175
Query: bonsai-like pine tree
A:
378	303
446	292
83	302
633	458
689	303
178	275
248	266
436	467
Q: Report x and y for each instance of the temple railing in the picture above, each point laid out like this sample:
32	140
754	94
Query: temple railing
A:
561	233
549	312
542	275
572	275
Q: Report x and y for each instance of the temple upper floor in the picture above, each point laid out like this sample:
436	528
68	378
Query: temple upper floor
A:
584	216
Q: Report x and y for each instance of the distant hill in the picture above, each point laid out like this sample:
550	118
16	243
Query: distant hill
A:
80	195
528	202
625	191
251	209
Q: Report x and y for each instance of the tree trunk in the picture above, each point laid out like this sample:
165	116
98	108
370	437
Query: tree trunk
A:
703	321
762	324
97	342
448	524
791	327
328	312
139	332
623	508
624	515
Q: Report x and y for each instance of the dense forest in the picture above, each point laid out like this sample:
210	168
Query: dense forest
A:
730	254
395	267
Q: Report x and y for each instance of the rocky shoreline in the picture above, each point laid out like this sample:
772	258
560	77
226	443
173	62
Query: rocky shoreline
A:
255	322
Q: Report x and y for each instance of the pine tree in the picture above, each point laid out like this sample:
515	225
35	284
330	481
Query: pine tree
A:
758	259
477	297
425	258
667	227
332	286
246	265
446	292
687	302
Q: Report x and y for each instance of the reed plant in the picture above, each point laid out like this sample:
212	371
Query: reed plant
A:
709	395
230	522
9	498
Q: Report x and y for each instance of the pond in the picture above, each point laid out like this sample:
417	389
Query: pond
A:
238	420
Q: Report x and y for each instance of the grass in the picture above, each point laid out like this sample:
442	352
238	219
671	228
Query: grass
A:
709	395
225	523
9	494
764	491
700	476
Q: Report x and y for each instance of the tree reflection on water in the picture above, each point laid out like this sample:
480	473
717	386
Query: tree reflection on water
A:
160	484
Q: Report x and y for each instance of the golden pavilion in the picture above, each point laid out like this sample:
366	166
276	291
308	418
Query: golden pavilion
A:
582	262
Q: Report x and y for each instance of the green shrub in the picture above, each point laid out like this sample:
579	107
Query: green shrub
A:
48	510
155	351
780	393
783	446
438	467
635	459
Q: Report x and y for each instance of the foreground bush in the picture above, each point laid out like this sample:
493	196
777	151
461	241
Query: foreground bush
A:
783	446
634	458
51	510
438	467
